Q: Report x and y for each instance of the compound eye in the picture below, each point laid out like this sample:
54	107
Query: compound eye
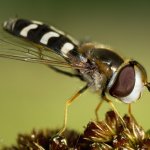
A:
124	82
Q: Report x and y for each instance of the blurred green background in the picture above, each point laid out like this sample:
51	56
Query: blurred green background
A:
33	96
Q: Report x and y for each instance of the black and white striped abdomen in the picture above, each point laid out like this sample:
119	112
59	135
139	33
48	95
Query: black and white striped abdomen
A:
40	33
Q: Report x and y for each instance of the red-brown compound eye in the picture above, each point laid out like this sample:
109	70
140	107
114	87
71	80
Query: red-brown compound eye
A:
124	83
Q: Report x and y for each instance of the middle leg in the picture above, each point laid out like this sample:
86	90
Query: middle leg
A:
113	108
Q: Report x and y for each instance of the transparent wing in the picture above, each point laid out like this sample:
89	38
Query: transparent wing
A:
14	48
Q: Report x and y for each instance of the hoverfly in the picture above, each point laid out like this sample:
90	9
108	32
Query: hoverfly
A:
101	68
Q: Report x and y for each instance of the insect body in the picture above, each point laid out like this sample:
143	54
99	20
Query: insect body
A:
101	68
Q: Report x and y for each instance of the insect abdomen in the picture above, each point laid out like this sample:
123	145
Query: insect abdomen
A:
40	33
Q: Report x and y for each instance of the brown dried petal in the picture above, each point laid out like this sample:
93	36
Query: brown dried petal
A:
98	131
146	144
136	131
112	120
100	146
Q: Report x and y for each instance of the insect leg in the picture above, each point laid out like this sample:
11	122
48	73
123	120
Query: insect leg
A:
129	109
68	103
113	107
97	109
130	113
65	72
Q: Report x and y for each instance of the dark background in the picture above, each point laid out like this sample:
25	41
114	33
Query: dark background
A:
33	96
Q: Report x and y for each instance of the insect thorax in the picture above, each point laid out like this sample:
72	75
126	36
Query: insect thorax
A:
102	64
95	79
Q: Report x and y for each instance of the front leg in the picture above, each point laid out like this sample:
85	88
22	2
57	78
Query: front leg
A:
68	103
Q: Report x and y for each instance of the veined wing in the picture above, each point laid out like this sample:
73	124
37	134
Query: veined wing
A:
13	48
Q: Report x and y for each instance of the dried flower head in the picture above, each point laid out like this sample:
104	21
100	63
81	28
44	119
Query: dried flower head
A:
109	134
118	133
